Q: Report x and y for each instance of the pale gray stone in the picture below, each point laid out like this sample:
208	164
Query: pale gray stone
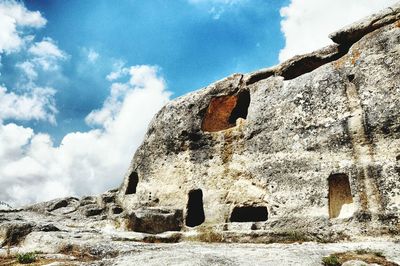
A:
320	122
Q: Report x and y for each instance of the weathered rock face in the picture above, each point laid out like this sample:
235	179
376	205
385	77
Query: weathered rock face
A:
310	144
155	221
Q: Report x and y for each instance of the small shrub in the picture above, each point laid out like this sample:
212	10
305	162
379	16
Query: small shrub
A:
331	260
365	255
26	258
377	253
361	251
296	236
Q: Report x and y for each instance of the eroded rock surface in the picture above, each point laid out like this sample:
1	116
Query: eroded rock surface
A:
155	221
315	142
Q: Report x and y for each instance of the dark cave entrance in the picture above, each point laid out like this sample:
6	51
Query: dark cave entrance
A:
194	210
339	193
241	108
249	214
223	111
132	183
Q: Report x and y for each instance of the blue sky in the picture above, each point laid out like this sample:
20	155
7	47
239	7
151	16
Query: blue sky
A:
192	45
81	80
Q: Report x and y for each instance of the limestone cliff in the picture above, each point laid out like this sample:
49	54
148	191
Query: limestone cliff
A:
310	144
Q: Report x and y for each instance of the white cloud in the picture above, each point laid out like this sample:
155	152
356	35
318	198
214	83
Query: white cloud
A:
111	106
119	70
46	48
12	138
37	104
33	169
306	24
92	55
14	16
29	69
41	62
216	7
27	100
143	79
46	54
114	75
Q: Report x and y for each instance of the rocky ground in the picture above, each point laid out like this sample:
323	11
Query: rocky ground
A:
119	251
92	231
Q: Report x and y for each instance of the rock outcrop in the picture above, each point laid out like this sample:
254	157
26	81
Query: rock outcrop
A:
308	150
5	206
311	144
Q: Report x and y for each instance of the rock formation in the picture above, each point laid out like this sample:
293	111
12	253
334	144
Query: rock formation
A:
310	144
308	150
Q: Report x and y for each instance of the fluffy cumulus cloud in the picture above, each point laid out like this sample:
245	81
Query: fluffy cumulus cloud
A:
147	84
13	18
306	24
40	60
46	54
37	104
33	169
27	100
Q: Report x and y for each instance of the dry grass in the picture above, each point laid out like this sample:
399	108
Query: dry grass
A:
294	236
13	261
207	234
174	238
37	258
366	255
78	253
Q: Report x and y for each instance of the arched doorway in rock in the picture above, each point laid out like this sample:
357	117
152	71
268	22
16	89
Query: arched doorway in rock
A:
249	214
133	180
339	193
194	209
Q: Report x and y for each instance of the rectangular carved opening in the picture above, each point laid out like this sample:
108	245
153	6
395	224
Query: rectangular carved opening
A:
194	210
223	111
132	183
249	214
339	193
